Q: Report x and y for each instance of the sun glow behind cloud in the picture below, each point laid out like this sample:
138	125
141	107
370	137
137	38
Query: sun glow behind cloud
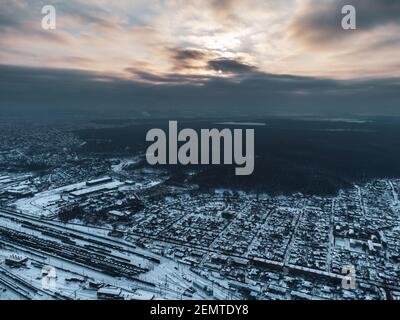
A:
131	39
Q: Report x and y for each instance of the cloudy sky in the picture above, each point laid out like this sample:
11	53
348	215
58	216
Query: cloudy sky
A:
262	53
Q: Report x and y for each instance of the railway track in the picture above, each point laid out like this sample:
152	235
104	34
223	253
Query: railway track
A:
22	287
57	228
109	265
95	243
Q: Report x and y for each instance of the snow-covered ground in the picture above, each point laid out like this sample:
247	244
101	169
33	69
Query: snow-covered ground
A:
172	280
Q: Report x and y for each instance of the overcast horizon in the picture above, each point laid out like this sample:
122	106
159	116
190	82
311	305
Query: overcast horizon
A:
194	58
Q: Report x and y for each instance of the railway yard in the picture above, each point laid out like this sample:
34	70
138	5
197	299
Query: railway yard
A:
84	261
91	225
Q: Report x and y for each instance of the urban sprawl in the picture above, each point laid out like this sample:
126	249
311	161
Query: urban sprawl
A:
90	225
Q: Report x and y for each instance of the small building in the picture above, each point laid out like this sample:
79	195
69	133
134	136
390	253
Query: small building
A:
16	261
20	193
239	261
92	284
140	295
110	293
98	181
119	214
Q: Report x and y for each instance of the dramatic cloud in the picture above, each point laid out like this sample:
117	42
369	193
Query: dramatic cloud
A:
301	37
230	66
262	53
187	60
51	91
319	23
